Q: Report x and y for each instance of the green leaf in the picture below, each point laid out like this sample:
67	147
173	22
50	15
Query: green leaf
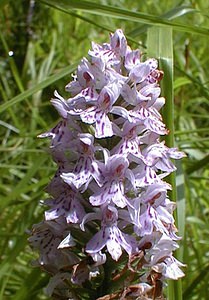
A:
31	285
181	205
196	281
110	11
170	15
181	81
164	53
198	165
196	221
156	47
25	183
23	96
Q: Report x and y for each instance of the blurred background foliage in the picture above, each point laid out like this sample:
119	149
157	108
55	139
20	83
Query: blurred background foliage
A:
38	47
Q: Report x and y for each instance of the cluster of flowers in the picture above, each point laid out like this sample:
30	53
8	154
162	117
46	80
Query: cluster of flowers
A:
108	196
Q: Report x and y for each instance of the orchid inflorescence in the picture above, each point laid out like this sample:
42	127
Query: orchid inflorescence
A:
109	232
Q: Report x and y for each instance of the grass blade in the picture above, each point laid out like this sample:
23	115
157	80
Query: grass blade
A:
23	96
110	11
169	15
164	52
197	280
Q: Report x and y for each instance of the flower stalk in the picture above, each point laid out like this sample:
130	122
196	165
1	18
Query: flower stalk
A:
109	231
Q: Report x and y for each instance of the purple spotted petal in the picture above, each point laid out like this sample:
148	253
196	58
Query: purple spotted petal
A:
66	205
140	72
81	174
113	239
103	126
132	58
118	43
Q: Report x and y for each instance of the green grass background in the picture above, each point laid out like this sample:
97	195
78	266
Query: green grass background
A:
40	44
